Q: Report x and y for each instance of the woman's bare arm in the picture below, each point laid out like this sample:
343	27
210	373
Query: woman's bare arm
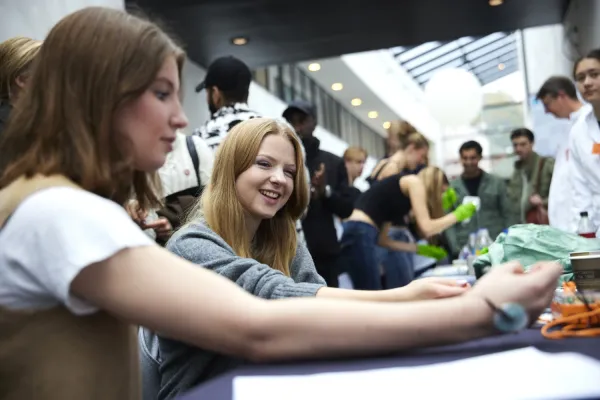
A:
151	287
412	186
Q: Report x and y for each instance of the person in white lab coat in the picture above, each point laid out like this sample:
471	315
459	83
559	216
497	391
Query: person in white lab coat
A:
559	96
584	142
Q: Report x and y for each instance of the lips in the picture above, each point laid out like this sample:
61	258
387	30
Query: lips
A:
270	194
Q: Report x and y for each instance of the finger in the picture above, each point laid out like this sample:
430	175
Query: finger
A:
511	266
444	281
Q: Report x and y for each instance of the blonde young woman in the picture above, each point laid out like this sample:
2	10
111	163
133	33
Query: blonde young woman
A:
77	274
16	56
390	199
243	229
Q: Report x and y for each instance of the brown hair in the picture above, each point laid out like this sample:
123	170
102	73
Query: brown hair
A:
16	55
275	240
92	63
354	152
407	135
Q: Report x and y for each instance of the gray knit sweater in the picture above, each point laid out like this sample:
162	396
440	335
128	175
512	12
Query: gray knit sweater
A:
183	366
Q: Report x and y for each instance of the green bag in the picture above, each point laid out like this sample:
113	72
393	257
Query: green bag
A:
530	243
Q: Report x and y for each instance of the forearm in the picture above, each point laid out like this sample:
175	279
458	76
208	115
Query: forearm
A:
435	226
310	329
362	295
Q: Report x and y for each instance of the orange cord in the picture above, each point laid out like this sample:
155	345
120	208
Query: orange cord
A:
578	324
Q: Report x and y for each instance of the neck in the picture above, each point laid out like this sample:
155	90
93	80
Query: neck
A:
474	174
596	107
252	225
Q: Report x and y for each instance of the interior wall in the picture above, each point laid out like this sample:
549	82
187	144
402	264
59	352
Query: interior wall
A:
34	18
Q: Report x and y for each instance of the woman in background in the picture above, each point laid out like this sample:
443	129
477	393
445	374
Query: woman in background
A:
77	275
388	200
584	143
408	155
16	56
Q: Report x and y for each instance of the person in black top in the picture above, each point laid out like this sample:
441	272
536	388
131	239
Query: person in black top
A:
386	201
330	193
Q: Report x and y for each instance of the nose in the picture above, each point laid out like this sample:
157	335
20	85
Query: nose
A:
588	80
278	176
179	120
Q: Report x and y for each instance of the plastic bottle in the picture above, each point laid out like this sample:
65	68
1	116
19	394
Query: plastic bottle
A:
586	229
483	240
472	242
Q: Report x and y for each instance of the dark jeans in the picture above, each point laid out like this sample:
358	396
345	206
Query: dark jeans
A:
358	257
398	266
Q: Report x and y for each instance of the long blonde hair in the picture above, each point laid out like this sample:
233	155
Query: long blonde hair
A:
434	179
275	241
16	56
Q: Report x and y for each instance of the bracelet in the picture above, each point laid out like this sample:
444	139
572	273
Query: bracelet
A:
509	317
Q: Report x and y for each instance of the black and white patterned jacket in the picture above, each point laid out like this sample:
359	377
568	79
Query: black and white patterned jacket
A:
221	122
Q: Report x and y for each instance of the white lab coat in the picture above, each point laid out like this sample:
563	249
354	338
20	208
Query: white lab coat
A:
584	167
560	195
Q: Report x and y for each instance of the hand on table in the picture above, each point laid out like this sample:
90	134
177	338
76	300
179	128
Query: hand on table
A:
508	283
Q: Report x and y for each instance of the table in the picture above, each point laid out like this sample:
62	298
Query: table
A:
221	388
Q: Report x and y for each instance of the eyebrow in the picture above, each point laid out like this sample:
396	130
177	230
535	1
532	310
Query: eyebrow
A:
274	159
165	80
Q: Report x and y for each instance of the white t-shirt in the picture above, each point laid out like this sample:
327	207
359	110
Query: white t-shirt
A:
51	237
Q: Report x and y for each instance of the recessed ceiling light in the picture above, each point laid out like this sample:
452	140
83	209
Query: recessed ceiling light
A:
373	114
314	67
356	102
387	124
337	86
501	66
494	3
240	41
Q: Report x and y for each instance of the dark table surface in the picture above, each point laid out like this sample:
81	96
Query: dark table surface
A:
221	388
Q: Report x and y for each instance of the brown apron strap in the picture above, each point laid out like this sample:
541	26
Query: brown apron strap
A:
14	194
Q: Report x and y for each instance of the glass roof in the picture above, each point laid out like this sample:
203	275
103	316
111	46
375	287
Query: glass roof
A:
489	57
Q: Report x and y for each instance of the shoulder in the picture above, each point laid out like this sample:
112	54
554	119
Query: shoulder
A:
68	204
197	239
407	182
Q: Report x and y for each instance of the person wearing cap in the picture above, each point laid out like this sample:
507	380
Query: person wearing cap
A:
227	85
330	193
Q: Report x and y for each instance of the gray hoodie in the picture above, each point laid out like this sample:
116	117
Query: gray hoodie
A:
183	366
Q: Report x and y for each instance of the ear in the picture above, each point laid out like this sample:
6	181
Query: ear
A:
21	81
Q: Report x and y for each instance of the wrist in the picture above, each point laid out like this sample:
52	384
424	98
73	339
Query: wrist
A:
480	314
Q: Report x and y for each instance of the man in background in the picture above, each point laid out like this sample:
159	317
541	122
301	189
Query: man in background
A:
493	214
559	96
227	85
330	193
529	185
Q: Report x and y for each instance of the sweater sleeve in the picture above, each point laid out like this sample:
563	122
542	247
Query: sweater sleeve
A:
200	245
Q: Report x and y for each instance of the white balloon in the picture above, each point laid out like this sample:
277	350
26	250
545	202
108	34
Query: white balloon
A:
454	97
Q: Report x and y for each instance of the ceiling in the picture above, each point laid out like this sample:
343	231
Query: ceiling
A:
489	58
335	70
281	31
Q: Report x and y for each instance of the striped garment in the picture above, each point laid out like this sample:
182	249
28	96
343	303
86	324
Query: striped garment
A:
221	122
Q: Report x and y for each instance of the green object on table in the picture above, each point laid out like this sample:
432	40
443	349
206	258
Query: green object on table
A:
464	211
448	198
529	244
427	250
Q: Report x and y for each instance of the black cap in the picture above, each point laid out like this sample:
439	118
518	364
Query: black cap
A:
300	105
227	73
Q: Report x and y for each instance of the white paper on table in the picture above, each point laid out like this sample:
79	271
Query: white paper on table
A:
516	374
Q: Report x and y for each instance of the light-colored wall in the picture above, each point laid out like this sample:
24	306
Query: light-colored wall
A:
34	18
